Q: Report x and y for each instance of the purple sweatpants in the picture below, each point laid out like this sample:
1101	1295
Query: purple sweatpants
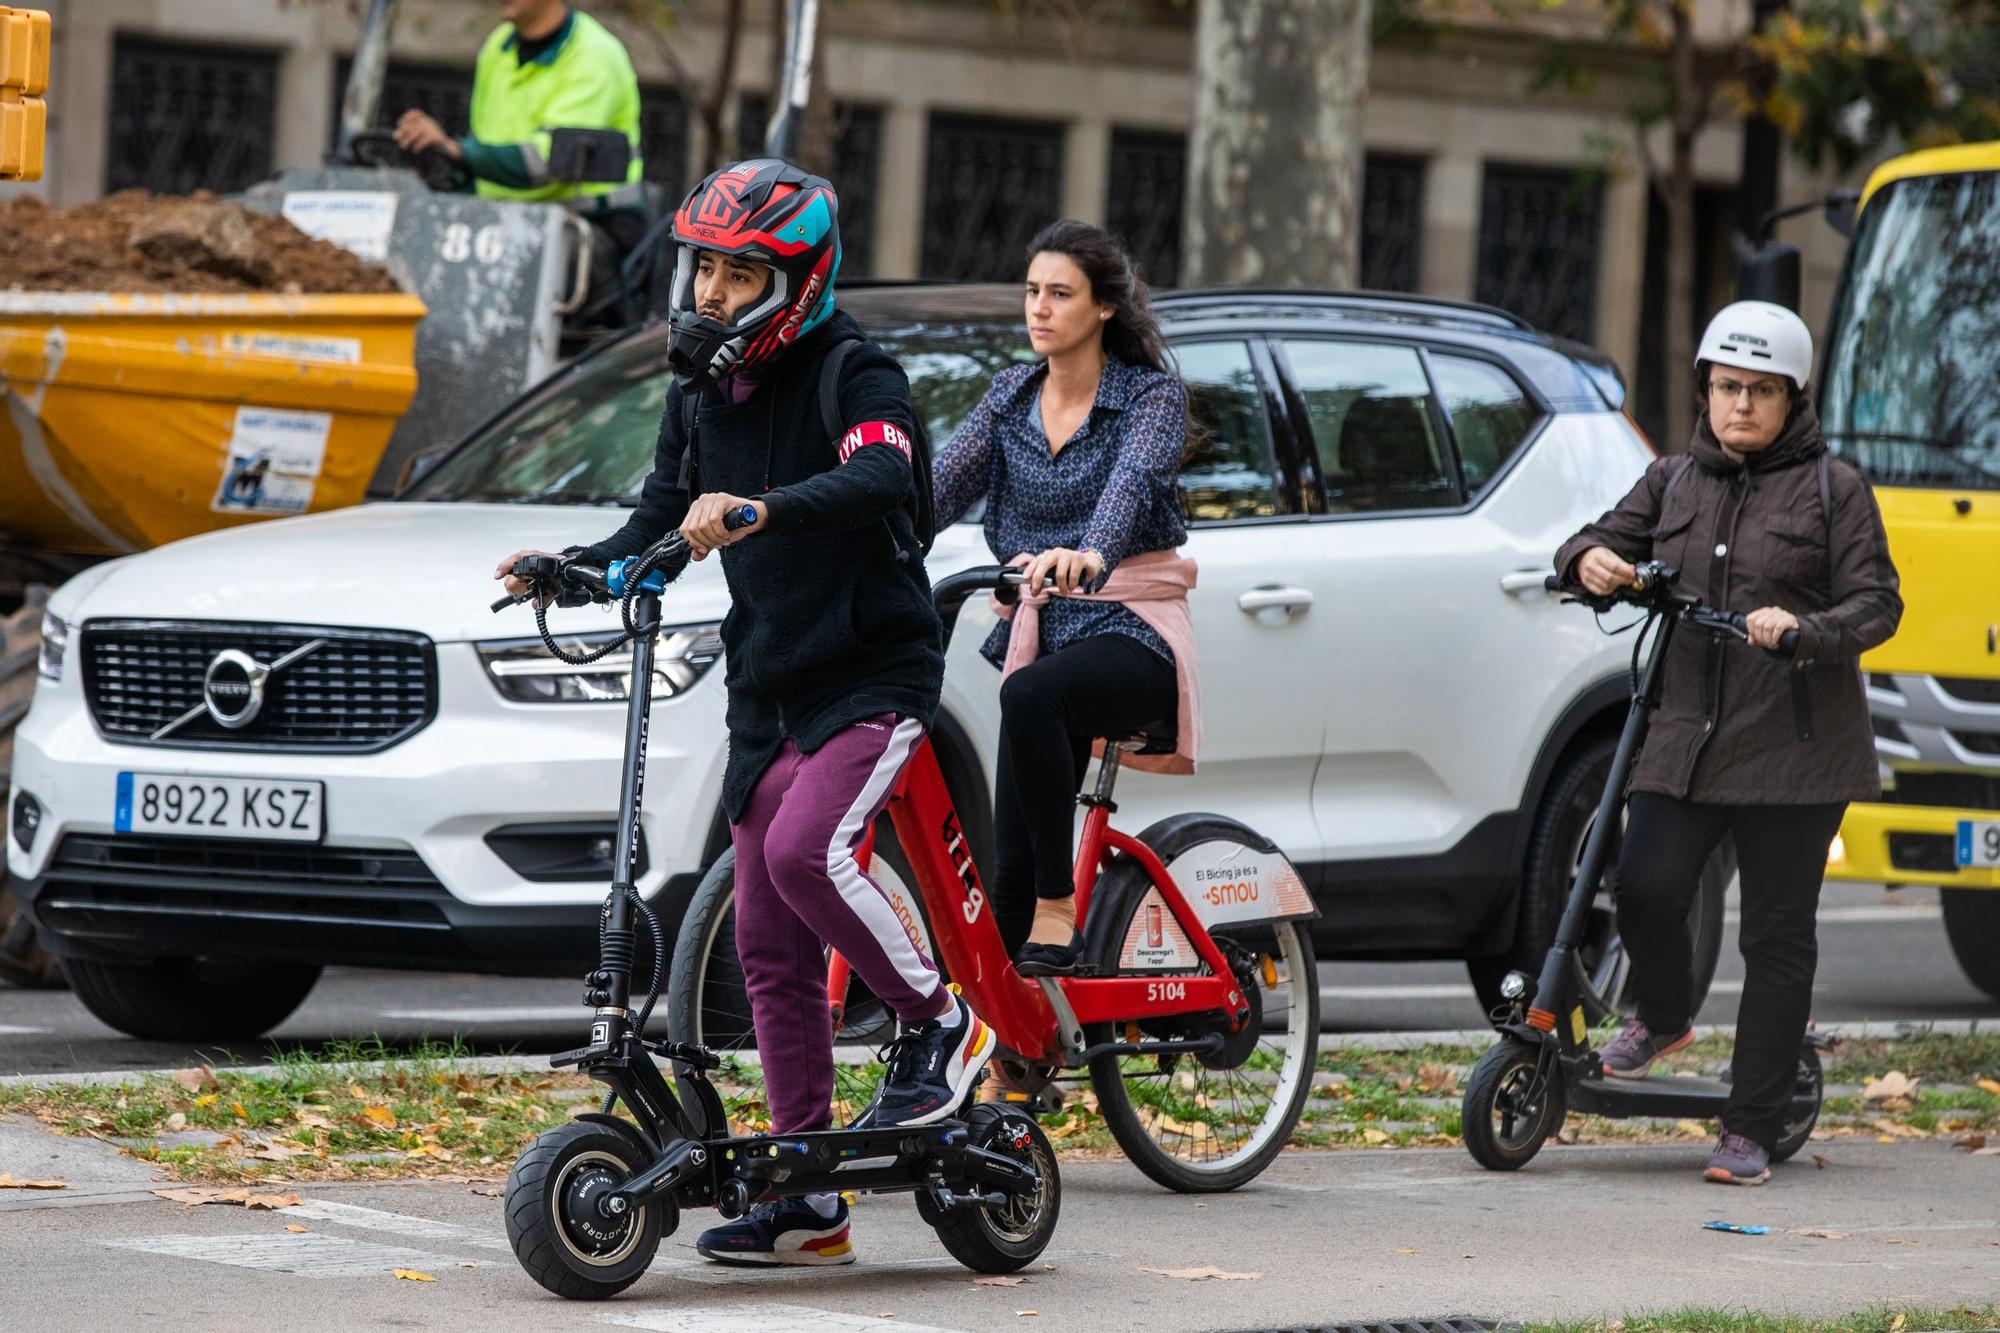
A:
799	888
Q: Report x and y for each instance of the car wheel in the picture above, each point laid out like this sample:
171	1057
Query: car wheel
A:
188	999
1555	848
1972	924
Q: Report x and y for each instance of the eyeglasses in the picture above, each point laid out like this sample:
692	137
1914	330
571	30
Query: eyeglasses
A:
1761	393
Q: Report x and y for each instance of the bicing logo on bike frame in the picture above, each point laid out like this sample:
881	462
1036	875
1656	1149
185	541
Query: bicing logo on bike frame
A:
1226	884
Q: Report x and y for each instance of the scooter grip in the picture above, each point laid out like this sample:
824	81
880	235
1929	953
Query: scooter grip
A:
1552	584
1788	643
744	517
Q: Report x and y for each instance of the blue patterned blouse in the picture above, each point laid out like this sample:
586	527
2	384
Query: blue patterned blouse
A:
1113	489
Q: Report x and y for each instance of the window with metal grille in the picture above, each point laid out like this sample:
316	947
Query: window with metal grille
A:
989	186
1143	198
188	117
1538	239
1392	223
856	171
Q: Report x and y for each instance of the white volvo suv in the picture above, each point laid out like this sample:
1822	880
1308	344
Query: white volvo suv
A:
269	749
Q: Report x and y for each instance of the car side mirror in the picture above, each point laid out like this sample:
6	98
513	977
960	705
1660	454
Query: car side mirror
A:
417	466
1843	210
589	155
1770	273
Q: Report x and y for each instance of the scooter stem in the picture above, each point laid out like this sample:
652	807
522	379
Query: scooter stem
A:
619	933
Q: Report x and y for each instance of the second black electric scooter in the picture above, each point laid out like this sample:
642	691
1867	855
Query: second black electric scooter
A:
1543	1066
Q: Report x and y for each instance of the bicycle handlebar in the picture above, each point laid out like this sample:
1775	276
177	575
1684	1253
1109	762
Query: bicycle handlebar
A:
1653	589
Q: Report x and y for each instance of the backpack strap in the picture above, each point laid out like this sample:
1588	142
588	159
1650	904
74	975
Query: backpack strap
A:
830	368
690	478
1687	461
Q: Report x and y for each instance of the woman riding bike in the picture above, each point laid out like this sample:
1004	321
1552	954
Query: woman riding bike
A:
833	650
1755	515
1078	459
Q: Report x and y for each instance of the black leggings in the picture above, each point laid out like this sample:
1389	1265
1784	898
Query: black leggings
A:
1050	711
1781	850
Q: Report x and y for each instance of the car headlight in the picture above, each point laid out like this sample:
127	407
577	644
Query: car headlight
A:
55	643
523	670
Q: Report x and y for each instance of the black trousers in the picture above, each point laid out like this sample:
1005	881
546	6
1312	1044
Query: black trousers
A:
1050	711
1781	851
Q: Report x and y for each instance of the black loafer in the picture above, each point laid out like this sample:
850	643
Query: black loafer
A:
1047	960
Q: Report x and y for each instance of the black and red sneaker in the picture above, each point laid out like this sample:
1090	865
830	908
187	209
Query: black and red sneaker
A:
782	1231
933	1065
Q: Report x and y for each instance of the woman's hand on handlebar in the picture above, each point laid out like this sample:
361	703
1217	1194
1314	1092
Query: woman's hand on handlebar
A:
1070	571
517	587
704	527
1767	625
1602	572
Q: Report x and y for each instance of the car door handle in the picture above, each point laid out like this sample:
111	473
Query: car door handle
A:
1518	581
1274	603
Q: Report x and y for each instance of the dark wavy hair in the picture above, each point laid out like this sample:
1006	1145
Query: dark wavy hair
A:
1131	334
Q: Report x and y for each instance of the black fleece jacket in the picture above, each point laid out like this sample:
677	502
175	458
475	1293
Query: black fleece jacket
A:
830	618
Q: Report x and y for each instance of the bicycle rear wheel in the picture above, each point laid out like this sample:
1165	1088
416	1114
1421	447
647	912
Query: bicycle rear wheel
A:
1205	1124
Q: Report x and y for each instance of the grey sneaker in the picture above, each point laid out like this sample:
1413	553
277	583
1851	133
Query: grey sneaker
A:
1737	1161
1632	1052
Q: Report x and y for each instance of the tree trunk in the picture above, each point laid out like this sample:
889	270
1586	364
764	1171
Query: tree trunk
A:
1678	347
1278	91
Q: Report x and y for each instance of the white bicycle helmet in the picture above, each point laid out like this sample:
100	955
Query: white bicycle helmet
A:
1757	335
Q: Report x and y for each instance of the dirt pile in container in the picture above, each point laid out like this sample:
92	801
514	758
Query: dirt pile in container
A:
137	242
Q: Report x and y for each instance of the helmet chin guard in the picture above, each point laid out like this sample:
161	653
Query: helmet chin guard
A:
770	213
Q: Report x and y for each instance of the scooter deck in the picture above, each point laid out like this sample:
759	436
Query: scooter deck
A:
1658	1095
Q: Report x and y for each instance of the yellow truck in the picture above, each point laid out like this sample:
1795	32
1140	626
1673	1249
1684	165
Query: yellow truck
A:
1910	392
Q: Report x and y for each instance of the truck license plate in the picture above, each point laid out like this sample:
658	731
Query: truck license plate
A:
1979	842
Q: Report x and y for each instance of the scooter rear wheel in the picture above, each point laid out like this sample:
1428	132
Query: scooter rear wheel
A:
1798	1132
1511	1108
1012	1236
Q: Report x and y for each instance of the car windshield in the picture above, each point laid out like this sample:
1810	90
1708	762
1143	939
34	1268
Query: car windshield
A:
1914	351
589	440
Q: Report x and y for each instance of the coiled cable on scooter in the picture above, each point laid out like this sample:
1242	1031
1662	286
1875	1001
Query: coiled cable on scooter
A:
654	557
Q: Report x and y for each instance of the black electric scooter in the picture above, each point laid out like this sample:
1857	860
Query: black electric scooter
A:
590	1200
1543	1067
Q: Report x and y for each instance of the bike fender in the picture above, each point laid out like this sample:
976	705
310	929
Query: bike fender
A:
624	1127
1230	874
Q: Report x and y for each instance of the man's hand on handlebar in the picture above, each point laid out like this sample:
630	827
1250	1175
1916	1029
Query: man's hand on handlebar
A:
416	131
1766	626
706	527
1602	572
519	587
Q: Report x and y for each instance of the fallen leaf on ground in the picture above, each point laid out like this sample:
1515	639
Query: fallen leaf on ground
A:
1821	1162
1409	1251
207	1099
1971	1142
1027	1314
379	1115
273	1152
1991	1085
411	1275
8	1182
998	1281
1896	1324
176	1122
488	1191
1895	1083
468	1263
1823	1235
1372	1136
1896	1129
1203	1274
199	1079
241	1198
1897	1240
294	1226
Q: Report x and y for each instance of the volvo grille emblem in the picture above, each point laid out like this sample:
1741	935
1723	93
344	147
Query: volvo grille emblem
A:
232	689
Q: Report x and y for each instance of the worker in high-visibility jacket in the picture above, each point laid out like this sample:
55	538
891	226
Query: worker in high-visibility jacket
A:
547	67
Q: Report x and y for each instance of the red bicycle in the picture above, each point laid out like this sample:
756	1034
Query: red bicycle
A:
1194	1008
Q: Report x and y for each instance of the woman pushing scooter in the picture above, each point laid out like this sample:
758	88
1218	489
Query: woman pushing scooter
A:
1755	517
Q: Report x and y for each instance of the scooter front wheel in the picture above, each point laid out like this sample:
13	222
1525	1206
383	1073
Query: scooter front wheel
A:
559	1231
1512	1105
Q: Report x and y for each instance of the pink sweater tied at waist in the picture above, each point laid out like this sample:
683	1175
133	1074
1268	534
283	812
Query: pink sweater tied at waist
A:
1155	586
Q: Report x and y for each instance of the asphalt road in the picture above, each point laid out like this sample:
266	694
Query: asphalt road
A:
1883	958
1322	1238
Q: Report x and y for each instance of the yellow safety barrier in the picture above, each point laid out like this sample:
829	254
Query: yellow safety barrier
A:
24	77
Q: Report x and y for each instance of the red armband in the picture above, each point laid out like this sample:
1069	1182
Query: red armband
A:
875	432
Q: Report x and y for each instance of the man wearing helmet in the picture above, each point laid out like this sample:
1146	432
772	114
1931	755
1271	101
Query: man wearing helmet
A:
1757	517
832	644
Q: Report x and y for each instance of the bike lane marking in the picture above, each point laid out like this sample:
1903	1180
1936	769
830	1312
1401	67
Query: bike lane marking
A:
308	1255
757	1319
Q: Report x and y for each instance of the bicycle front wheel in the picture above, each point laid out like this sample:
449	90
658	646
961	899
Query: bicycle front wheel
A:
1202	1124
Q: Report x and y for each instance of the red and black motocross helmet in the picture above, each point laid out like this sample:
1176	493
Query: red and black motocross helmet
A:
775	214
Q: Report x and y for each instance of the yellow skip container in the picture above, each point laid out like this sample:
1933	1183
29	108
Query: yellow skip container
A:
134	420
